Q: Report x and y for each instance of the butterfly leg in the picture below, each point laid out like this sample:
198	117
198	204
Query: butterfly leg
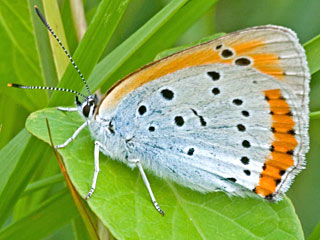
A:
66	109
147	184
97	146
73	135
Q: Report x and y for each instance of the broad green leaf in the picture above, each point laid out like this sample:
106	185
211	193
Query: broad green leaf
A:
52	214
121	196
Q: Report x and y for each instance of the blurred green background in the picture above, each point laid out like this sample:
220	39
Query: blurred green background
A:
225	16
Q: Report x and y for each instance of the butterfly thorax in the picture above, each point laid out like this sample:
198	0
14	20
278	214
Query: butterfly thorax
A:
115	145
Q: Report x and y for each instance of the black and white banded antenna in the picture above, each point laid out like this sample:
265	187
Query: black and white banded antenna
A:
46	88
70	58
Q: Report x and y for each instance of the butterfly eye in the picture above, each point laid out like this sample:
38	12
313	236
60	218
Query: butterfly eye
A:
87	105
86	110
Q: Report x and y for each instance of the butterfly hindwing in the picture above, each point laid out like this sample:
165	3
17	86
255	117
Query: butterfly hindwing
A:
209	134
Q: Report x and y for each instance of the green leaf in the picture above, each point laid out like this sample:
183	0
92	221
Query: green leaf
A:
52	214
121	196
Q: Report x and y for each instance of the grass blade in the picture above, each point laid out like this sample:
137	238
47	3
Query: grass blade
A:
53	17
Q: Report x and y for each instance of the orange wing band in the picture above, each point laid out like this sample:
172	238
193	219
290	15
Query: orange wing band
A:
283	145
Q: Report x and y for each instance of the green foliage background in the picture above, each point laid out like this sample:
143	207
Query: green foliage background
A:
33	197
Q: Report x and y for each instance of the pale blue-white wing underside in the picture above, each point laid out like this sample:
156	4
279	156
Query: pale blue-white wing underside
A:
206	127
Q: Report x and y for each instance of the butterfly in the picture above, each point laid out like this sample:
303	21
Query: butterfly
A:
227	115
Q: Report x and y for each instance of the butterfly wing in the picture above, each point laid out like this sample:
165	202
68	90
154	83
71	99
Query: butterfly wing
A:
233	117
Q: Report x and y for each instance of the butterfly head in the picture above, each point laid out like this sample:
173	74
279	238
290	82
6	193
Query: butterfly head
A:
88	106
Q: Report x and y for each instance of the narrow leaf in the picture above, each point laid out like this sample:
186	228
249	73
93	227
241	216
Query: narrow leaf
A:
53	17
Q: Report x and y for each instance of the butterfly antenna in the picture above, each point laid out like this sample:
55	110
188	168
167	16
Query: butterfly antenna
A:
64	49
45	88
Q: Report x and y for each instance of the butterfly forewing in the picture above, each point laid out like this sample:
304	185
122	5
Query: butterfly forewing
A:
230	114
